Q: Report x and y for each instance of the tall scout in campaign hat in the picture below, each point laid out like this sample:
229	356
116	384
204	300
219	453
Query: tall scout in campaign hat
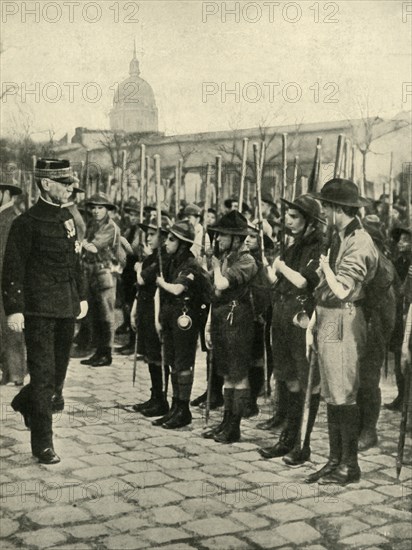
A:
308	206
341	192
100	199
233	223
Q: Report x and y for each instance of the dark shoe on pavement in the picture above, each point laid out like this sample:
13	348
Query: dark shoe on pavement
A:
57	403
160	421
230	432
181	418
297	456
367	440
211	432
104	361
325	471
201	399
159	407
396	404
139	407
251	410
48	456
342	475
281	448
91	359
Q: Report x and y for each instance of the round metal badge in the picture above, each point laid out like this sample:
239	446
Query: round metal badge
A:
184	322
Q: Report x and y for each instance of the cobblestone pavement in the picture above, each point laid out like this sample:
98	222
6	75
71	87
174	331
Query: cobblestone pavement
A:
124	484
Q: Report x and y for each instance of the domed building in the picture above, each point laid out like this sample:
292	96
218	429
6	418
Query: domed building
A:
134	104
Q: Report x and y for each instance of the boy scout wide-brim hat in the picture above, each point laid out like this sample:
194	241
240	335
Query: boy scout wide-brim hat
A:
184	231
78	190
233	223
100	199
165	228
342	192
308	206
12	189
55	169
266	197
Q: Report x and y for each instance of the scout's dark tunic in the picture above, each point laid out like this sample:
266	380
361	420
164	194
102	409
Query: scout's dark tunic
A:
42	280
260	294
148	343
288	341
232	317
180	345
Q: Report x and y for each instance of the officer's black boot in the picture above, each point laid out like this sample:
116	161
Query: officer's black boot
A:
370	404
281	406
228	398
300	455
289	435
335	446
231	431
256	381
175	401
348	470
182	416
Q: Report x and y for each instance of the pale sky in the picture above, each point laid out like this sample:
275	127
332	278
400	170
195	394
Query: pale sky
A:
365	53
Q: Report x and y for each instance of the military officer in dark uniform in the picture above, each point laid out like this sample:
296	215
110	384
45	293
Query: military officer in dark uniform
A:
43	294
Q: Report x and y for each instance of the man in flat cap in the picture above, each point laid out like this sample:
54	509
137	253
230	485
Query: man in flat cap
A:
43	294
12	351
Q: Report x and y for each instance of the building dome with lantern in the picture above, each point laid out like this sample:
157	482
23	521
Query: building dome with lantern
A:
134	104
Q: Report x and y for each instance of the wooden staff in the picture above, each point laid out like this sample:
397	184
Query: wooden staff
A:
148	177
282	192
86	176
142	178
408	196
390	205
348	160
32	181
295	179
218	182
262	159
313	182
404	422
177	191
352	172
122	184
261	243
243	172
339	154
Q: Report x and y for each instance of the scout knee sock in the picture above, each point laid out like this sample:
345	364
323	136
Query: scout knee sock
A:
156	379
185	383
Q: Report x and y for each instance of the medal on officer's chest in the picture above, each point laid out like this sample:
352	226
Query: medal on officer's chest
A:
70	228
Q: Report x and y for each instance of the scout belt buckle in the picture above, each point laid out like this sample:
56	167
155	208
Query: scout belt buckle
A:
184	321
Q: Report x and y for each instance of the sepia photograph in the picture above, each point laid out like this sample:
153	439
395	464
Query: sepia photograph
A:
206	276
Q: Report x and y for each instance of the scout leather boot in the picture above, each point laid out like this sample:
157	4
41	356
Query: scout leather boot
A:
231	431
348	470
167	416
158	407
278	419
139	407
210	434
281	448
181	418
335	446
300	455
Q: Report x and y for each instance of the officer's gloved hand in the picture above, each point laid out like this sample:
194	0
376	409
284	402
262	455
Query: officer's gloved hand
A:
15	322
84	308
